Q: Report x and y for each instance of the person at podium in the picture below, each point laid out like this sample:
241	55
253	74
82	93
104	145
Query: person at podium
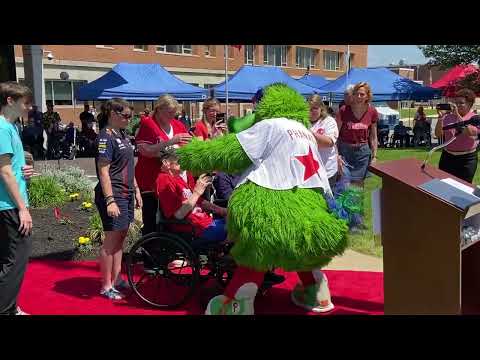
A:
459	158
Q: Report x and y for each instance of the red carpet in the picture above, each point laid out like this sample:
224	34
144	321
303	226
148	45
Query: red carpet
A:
71	288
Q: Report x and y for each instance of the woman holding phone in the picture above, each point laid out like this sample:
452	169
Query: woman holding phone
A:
460	157
210	126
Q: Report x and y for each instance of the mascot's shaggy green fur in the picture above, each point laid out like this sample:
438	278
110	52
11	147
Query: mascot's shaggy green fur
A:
291	229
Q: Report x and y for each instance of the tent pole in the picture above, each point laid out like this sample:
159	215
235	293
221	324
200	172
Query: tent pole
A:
226	81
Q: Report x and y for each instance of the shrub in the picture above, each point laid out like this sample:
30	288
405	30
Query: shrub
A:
133	126
73	180
44	191
95	228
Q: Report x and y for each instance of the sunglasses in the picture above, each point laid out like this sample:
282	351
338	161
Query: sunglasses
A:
125	116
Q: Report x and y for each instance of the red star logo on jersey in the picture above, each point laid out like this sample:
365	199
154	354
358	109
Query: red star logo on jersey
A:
311	165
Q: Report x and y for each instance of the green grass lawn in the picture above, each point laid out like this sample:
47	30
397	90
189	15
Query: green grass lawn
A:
410	113
365	242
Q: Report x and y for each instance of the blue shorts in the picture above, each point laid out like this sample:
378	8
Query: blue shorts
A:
122	222
358	157
215	233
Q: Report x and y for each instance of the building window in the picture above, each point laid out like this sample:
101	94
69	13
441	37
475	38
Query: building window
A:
306	57
331	60
350	61
174	49
62	92
275	55
231	51
210	50
140	47
249	54
105	46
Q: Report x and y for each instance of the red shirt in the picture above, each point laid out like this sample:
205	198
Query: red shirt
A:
201	130
150	132
353	130
172	192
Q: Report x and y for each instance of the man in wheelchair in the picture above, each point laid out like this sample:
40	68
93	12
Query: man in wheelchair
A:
181	198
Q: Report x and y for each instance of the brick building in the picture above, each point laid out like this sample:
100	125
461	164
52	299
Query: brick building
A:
200	65
424	74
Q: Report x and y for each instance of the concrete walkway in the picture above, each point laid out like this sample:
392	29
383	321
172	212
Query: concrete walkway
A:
352	260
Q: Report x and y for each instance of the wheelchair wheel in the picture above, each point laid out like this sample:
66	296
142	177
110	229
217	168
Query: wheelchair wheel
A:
163	270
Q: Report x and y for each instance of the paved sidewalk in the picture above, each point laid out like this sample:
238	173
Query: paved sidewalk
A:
355	261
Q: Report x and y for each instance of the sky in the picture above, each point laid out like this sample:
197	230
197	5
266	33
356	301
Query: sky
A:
382	55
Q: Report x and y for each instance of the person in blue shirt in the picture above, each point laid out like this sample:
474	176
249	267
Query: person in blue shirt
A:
15	219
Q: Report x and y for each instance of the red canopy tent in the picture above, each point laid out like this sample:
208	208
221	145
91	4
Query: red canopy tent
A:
448	81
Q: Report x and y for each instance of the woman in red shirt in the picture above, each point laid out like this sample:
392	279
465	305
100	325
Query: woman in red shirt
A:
155	133
357	141
208	127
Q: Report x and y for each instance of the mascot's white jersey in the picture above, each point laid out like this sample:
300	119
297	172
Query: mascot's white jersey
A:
284	154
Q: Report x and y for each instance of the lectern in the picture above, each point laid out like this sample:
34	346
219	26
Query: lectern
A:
427	270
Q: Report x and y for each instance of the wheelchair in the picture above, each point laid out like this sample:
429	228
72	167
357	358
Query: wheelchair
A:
165	270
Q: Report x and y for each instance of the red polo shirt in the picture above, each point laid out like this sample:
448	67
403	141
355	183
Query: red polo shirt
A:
172	192
147	169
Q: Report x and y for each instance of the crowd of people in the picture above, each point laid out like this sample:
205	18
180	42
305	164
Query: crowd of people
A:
347	143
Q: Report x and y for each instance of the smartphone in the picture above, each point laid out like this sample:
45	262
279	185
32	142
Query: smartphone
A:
445	107
221	117
192	131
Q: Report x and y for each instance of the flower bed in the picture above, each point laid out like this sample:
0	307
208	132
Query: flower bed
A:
66	224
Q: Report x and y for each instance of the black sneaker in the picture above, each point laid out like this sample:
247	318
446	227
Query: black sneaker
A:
273	279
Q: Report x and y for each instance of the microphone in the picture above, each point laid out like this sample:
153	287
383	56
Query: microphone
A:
474	120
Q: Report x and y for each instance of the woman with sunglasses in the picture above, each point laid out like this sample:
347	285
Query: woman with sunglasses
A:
460	157
115	194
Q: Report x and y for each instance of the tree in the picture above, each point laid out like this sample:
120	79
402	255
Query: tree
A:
471	82
447	56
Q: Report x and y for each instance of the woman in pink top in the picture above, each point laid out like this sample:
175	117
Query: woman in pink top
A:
460	157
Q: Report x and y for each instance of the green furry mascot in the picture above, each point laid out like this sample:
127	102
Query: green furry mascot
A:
277	215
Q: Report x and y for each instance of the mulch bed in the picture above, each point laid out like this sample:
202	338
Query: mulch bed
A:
52	239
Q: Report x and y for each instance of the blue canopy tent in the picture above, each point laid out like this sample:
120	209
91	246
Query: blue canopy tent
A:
315	81
385	85
139	82
249	79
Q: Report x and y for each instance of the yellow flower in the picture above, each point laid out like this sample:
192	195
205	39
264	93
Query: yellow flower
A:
82	240
88	205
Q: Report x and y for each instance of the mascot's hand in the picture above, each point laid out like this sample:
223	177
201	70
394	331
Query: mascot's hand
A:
202	183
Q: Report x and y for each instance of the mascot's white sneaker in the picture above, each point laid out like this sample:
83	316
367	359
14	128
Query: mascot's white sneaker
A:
242	304
315	297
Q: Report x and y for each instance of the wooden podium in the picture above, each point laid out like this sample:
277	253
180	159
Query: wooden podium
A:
426	269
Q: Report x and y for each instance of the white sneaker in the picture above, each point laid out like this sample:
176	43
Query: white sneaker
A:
20	311
178	264
121	284
315	297
242	304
